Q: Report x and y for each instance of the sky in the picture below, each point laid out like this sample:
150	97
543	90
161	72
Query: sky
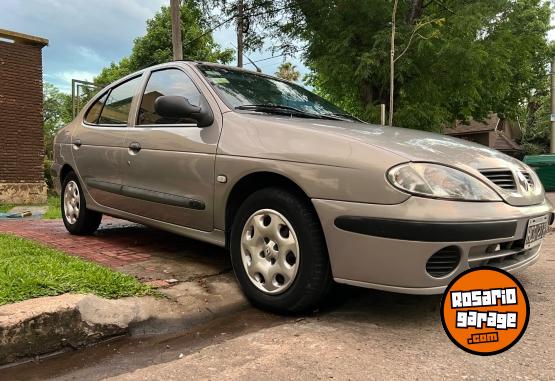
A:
86	35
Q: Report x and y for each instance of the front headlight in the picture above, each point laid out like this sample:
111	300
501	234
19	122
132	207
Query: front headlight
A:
438	181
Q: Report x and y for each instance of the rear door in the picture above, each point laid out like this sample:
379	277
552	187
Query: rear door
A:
98	143
169	164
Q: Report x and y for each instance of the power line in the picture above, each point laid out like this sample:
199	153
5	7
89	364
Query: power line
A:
267	58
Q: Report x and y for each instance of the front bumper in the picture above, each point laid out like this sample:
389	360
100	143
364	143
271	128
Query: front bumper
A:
387	247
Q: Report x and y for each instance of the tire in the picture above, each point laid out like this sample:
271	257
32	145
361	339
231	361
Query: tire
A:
81	221
306	278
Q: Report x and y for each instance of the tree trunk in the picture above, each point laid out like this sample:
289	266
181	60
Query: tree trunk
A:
392	64
416	9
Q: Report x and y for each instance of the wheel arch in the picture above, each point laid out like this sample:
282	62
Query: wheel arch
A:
66	168
253	182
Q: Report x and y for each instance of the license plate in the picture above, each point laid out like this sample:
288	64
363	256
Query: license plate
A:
537	230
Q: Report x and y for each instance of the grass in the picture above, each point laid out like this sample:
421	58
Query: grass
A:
4	208
54	211
29	270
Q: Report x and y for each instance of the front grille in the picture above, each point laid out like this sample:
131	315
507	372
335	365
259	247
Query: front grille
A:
503	178
501	255
443	262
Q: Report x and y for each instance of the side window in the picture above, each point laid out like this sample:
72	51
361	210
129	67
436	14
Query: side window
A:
166	82
118	104
94	112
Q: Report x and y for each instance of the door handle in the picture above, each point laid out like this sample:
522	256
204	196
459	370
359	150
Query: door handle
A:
134	147
77	143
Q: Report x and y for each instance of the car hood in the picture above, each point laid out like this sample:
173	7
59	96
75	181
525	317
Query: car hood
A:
418	145
415	145
360	145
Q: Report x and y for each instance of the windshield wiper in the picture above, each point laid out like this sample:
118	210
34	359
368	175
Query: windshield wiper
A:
284	110
344	116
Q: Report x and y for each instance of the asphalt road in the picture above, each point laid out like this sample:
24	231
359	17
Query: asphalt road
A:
359	335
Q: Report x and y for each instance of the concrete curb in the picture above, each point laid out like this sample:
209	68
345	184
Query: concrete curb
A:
44	325
195	302
39	326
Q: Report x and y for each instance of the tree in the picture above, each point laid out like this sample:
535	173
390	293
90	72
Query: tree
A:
253	18
534	119
56	111
453	59
288	71
156	46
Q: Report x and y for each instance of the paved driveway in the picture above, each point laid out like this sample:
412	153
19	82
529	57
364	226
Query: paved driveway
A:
153	256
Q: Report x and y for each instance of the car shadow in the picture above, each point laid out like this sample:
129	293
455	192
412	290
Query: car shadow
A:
348	303
182	258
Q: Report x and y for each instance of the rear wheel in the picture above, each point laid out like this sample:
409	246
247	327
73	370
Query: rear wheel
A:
278	252
77	218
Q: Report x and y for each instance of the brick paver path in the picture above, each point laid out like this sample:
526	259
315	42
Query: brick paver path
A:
116	243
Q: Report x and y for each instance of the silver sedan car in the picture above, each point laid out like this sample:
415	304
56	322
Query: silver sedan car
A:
300	192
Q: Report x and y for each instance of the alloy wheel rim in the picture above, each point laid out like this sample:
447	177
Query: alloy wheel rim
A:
72	202
270	251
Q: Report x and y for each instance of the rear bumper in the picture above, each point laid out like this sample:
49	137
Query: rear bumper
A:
55	170
388	246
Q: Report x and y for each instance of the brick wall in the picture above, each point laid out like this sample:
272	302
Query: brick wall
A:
21	139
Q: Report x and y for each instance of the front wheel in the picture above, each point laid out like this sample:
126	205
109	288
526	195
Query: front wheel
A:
77	218
278	252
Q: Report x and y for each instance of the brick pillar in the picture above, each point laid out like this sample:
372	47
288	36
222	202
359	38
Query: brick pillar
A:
21	124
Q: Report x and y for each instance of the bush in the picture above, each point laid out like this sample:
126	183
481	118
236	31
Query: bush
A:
47	176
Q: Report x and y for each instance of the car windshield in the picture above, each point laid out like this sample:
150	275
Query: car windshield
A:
256	92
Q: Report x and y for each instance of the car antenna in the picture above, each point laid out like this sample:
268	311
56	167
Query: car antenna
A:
251	61
253	64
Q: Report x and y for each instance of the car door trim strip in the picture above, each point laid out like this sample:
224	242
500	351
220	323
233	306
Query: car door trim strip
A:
146	194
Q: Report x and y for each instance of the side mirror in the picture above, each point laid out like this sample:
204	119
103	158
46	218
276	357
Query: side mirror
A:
176	107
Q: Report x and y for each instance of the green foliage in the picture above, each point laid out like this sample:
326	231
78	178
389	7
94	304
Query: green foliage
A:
46	165
156	47
4	208
56	112
466	58
258	16
535	125
29	270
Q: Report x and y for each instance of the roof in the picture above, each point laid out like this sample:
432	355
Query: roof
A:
474	126
22	38
503	143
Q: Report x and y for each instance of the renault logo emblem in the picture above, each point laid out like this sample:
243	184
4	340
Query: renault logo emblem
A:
523	181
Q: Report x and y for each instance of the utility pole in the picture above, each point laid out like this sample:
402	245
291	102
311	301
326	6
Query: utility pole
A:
177	44
553	106
392	63
240	29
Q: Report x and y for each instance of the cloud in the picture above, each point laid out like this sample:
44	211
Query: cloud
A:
86	35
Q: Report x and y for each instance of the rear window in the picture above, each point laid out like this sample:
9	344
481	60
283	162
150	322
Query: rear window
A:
117	106
94	112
